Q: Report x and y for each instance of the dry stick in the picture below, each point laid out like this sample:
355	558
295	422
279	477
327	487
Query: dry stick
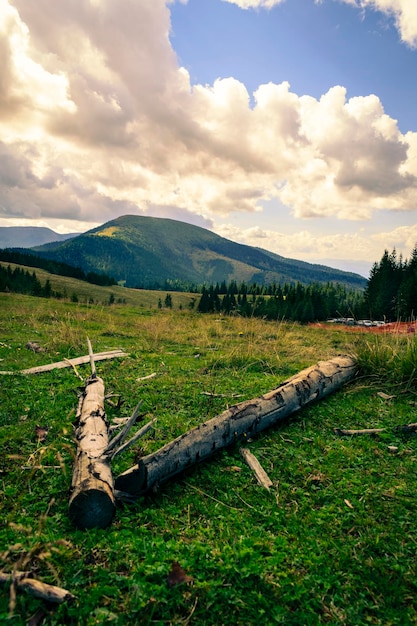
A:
74	368
100	356
249	417
146	377
361	431
51	593
142	431
92	363
120	436
404	428
221	395
260	474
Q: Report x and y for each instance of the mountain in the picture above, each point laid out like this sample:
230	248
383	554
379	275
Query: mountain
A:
28	236
148	251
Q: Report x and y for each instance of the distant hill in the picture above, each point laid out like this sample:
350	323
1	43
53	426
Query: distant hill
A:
28	236
148	251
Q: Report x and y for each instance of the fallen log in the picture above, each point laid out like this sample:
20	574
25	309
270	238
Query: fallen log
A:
92	502
246	418
92	498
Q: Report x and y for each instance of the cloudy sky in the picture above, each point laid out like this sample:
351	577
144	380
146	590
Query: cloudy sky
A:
285	124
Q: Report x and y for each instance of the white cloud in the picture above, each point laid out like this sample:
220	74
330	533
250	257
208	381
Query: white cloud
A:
331	249
97	119
403	239
404	13
255	4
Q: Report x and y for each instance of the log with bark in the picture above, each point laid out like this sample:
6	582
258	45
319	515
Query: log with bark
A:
92	498
92	502
244	419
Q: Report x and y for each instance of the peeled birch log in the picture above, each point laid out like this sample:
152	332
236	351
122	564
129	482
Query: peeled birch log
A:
92	502
246	418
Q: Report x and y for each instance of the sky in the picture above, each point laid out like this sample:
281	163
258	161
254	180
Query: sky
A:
290	125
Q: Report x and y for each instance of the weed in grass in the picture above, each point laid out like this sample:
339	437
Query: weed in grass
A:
389	358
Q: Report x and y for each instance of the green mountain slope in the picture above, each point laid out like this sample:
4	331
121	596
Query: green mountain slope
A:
147	251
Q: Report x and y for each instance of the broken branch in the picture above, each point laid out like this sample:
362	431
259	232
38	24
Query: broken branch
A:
121	436
403	428
100	356
260	474
361	431
51	593
142	431
91	355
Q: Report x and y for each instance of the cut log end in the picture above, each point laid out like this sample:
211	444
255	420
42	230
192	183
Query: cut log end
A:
91	509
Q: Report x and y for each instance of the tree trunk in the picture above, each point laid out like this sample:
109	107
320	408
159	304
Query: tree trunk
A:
244	419
92	502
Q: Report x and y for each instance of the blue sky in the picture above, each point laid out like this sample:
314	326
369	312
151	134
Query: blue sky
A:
312	45
285	124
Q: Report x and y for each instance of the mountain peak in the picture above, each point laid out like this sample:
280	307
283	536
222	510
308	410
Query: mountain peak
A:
149	251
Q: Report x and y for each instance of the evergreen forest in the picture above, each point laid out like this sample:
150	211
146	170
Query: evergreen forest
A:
390	293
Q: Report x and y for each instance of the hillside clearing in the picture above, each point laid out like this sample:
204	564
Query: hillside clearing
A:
333	540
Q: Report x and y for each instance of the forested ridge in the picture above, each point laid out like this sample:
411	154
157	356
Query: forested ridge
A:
390	293
20	257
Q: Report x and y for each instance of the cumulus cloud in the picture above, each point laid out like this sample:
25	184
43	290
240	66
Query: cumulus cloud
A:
404	13
335	250
98	119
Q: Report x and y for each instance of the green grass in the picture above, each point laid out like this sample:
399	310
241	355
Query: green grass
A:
389	358
333	542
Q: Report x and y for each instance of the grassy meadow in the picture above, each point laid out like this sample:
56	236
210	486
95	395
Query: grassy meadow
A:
333	542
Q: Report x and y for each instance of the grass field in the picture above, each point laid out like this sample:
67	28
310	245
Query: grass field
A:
334	540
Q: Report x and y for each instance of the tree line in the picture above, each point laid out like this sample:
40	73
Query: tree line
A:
391	291
390	295
55	267
301	303
19	280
